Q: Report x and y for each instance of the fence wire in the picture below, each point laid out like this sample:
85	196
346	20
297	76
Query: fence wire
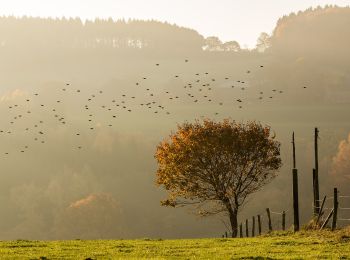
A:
277	221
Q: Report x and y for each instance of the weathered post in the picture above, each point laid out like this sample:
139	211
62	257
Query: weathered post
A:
253	226
225	234
241	230
295	190
259	225
294	159
335	209
316	184
246	228
314	191
269	219
283	220
295	200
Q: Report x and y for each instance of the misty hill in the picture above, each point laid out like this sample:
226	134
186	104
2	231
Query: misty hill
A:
52	186
64	34
311	48
323	29
300	42
314	32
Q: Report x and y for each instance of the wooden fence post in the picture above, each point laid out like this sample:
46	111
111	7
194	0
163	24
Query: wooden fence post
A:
259	225
269	219
253	226
314	191
283	220
294	159
295	200
226	234
316	184
335	208
246	228
241	230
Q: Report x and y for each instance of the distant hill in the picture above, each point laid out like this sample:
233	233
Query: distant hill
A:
311	48
320	31
58	34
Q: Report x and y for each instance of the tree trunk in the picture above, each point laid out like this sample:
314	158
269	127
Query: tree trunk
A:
233	221
232	212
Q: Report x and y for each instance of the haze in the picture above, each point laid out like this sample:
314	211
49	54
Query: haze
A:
84	105
242	21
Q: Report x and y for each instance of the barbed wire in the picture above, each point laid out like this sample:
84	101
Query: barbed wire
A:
263	217
316	207
277	213
277	221
328	198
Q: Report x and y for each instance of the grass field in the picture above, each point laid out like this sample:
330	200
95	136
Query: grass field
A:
304	245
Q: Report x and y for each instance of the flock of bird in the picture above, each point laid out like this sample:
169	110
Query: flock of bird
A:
199	90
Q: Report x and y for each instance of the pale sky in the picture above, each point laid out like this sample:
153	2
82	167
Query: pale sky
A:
241	20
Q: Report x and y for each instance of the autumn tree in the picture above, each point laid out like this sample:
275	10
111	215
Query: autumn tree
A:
216	165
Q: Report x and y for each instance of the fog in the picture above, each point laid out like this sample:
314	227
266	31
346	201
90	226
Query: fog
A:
65	177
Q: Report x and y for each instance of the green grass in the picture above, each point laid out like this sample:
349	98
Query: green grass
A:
303	245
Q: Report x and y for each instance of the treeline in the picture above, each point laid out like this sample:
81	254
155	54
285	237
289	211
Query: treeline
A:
73	33
314	30
99	34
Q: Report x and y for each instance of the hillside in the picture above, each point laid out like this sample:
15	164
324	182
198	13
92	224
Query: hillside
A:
303	245
314	32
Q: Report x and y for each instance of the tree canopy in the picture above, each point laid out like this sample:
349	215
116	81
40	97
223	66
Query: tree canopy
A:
216	165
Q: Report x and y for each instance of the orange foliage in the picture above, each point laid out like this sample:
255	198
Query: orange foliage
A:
216	164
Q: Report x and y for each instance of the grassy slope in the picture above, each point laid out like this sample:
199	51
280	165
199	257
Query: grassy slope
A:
316	245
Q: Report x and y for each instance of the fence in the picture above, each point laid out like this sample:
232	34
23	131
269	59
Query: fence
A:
336	207
338	211
263	222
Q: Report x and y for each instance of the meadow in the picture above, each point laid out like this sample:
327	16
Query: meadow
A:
279	245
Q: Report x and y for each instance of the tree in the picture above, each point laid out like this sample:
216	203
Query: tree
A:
213	43
263	42
216	165
232	46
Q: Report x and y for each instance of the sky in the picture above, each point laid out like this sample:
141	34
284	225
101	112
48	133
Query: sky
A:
240	20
